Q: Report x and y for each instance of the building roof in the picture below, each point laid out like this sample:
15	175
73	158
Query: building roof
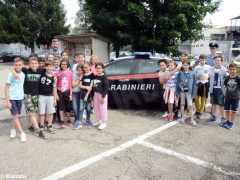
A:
238	17
82	38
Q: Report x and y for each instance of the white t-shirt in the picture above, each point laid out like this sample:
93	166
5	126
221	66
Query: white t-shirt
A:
202	73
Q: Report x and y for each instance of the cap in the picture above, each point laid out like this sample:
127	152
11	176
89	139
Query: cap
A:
213	44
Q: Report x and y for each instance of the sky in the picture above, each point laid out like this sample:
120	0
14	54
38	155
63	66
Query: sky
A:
228	9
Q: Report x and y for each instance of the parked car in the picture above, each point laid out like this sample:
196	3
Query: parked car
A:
8	56
133	81
42	53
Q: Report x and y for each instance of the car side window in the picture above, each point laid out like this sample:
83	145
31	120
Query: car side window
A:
148	66
118	68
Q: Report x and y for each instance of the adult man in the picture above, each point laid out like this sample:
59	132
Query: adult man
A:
55	51
210	58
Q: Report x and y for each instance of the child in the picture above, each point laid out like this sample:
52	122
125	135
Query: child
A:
56	66
202	72
162	79
216	89
41	63
14	95
79	59
170	91
64	91
100	97
47	97
31	92
77	76
186	89
231	104
86	84
50	57
93	62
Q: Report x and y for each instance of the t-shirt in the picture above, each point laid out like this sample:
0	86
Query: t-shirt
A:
86	81
171	82
64	80
232	87
101	84
76	88
31	82
163	75
46	85
217	79
55	70
16	86
93	70
202	73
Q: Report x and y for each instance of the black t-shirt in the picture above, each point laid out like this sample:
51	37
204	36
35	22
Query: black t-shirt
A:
100	85
31	82
86	81
232	87
46	85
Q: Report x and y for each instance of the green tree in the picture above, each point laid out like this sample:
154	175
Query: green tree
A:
31	21
149	24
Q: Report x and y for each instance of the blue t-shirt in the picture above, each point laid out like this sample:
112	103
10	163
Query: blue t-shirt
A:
16	86
76	77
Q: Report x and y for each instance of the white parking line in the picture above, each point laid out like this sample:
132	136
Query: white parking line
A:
64	172
190	159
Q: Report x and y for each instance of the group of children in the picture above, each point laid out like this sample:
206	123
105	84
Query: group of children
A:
51	88
182	85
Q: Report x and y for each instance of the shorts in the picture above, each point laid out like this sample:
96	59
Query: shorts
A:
169	95
16	107
217	97
64	101
231	104
31	104
186	96
46	105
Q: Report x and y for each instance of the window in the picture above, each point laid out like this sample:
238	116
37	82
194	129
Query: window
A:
121	67
148	66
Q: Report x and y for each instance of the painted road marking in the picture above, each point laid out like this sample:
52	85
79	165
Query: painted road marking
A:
190	159
64	172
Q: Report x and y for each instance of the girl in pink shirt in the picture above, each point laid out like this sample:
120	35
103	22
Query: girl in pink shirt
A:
64	91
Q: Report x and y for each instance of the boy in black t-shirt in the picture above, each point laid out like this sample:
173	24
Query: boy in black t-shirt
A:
231	105
31	92
47	97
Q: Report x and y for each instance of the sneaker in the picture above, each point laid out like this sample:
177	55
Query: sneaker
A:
170	117
31	129
223	122
194	124
212	118
179	114
23	137
50	129
13	133
182	121
89	123
77	125
40	134
69	123
228	125
165	114
62	124
42	128
97	123
199	116
102	125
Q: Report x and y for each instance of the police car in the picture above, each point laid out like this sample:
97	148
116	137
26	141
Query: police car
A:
134	81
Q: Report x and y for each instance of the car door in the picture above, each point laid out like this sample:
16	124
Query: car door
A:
146	76
119	74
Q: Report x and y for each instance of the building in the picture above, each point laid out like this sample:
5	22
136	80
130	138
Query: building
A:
227	37
87	43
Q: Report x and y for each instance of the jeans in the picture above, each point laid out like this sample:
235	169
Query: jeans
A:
84	104
76	104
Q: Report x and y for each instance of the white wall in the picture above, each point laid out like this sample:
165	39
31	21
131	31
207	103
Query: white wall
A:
100	48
